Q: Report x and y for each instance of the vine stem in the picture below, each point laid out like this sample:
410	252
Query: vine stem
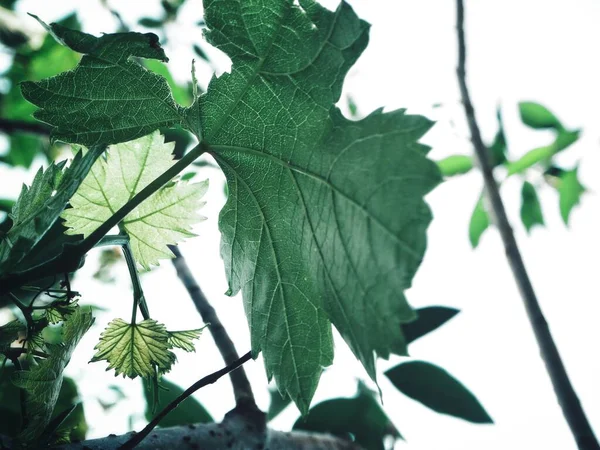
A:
209	379
566	396
241	386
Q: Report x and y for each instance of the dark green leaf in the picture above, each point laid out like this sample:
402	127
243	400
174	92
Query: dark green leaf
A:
428	319
10	408
278	403
480	221
9	333
124	102
537	116
437	389
149	22
498	148
570	191
39	206
325	220
531	210
455	165
360	417
201	53
43	382
188	411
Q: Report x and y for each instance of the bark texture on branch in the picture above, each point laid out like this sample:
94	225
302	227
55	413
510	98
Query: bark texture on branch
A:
239	430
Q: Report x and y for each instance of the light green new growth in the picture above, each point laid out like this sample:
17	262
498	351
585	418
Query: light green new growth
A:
185	339
135	349
164	218
43	381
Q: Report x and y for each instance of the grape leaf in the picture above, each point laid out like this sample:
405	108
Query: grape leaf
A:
164	218
43	381
39	205
135	349
108	98
184	339
480	221
59	310
325	220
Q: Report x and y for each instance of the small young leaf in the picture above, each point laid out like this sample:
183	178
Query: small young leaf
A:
149	22
135	349
164	218
188	411
437	389
428	319
59	310
184	339
455	165
531	210
359	417
570	190
537	116
43	382
479	222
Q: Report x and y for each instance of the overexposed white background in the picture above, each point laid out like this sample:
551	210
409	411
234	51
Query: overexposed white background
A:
545	51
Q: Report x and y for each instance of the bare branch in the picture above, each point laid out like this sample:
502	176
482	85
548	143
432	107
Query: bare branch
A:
236	432
209	379
241	385
567	398
11	126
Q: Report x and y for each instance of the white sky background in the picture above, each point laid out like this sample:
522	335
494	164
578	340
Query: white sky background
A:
544	51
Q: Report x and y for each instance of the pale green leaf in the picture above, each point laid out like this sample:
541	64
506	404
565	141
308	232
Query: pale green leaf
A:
480	221
108	97
325	220
184	339
135	349
39	206
164	218
43	381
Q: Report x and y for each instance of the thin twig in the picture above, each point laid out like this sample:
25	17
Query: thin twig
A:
11	126
209	379
567	398
241	385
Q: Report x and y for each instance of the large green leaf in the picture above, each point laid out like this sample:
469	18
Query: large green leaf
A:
188	411
359	417
531	210
164	218
325	220
570	190
43	381
437	389
108	98
39	206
